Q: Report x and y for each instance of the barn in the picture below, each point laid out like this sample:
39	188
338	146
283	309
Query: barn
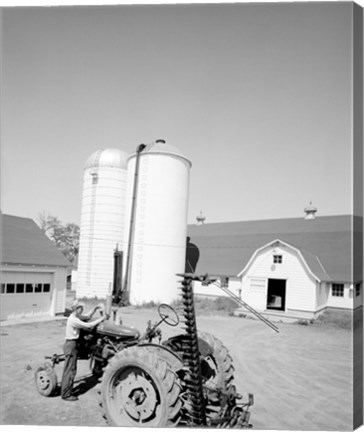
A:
295	267
33	271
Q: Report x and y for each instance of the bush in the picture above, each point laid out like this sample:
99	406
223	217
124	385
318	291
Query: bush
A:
302	322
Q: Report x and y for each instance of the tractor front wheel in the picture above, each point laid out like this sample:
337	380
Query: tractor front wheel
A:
139	389
46	379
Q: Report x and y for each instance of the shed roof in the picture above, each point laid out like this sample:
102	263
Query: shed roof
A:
23	242
326	244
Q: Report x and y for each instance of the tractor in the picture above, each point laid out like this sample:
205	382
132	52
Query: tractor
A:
185	380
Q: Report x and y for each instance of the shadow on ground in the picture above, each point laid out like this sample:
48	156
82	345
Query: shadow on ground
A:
84	384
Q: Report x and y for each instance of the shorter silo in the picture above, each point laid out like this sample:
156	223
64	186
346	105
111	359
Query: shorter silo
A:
159	223
102	221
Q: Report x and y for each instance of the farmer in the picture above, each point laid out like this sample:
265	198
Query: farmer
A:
76	321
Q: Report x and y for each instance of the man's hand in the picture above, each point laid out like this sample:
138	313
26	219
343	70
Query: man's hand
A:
101	308
92	311
99	321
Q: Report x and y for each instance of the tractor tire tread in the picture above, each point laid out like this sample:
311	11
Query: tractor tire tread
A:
159	371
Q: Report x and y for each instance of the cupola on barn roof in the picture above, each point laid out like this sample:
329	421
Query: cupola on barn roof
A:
200	218
107	158
310	211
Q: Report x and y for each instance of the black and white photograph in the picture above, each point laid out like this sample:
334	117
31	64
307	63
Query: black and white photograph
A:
181	226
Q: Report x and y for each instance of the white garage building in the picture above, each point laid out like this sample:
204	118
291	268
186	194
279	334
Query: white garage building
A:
285	267
33	271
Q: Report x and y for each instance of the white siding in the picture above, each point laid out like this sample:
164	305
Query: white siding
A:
215	291
33	303
300	284
323	291
254	291
60	283
347	301
74	279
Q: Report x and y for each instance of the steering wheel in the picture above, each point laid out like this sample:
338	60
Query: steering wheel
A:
168	314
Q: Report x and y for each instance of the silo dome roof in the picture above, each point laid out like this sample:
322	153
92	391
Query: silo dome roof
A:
107	158
159	146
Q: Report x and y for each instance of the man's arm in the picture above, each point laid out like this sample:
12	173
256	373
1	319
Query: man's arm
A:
91	312
86	325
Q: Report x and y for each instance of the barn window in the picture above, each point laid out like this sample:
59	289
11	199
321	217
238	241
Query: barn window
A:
277	259
357	289
338	290
19	288
38	288
10	288
29	288
2	288
46	287
95	178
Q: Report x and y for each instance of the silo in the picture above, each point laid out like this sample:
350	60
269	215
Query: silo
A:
102	221
158	241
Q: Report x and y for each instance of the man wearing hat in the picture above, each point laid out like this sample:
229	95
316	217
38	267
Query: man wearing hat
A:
76	321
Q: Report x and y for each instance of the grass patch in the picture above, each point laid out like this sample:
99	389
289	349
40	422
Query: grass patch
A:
148	305
203	305
218	305
336	319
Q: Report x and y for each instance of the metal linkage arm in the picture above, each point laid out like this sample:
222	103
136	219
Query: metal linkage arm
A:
249	308
207	279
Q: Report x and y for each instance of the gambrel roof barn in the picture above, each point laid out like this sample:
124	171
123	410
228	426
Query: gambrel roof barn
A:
227	247
327	249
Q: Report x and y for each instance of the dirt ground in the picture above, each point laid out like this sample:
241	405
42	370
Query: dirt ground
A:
301	377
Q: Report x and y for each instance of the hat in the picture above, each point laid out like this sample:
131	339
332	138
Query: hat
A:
76	304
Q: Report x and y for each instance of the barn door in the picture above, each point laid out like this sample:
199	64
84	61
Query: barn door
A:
276	294
257	292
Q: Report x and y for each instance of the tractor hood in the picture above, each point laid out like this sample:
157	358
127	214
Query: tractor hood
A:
109	328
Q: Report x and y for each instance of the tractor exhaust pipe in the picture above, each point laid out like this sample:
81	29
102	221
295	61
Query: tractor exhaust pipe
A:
118	270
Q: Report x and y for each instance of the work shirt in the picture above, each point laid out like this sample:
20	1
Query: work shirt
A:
74	325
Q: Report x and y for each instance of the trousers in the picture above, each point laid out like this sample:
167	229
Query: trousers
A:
70	367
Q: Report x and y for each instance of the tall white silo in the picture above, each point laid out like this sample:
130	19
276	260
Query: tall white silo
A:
102	221
158	243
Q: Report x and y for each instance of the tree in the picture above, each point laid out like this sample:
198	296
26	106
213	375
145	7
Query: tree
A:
65	237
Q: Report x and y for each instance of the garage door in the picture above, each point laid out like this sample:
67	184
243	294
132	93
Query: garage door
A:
25	293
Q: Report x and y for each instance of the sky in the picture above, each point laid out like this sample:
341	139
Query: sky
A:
257	95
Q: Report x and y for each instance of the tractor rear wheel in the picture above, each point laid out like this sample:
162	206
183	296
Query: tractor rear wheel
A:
217	365
217	372
139	389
